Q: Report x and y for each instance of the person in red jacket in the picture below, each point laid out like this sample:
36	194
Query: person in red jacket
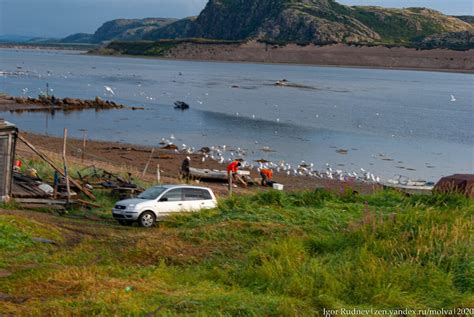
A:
267	176
232	169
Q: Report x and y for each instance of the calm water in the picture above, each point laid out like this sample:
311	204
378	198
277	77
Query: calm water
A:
391	122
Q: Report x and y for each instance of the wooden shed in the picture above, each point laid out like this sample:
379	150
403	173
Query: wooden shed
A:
8	135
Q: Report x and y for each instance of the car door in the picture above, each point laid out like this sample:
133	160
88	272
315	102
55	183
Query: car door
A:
197	199
171	201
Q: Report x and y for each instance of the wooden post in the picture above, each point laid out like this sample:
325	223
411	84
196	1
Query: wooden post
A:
84	141
158	174
56	168
230	183
66	172
148	163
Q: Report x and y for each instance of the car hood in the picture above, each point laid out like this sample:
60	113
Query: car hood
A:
134	201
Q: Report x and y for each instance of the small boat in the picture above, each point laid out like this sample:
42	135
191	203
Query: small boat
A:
203	173
408	186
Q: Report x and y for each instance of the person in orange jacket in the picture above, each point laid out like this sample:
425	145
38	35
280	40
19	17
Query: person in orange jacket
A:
267	176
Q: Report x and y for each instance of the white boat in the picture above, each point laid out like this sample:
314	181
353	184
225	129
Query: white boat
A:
202	173
406	185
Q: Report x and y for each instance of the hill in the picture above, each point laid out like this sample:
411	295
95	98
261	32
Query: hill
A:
128	29
311	21
289	21
120	29
466	18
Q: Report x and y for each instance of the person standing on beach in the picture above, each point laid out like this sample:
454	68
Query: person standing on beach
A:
185	168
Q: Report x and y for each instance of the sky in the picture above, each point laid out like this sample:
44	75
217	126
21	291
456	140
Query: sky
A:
59	18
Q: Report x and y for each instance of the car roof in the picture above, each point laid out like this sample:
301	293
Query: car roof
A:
182	186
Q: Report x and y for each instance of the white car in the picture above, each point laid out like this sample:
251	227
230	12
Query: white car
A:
159	201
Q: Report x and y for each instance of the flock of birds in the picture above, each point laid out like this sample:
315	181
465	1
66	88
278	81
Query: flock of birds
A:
222	154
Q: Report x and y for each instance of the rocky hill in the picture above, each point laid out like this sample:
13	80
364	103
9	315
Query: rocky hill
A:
453	40
311	21
292	21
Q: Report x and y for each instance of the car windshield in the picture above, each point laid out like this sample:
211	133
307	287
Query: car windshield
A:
152	193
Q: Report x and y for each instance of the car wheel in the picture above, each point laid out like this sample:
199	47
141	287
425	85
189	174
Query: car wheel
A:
125	222
147	219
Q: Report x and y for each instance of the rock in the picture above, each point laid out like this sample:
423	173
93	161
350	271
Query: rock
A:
181	105
169	147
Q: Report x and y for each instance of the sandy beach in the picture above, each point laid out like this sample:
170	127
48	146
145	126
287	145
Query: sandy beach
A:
336	55
120	157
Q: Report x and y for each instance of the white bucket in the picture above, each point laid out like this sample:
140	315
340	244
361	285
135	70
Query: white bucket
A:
277	186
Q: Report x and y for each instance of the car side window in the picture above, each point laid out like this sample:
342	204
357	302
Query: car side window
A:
173	195
196	194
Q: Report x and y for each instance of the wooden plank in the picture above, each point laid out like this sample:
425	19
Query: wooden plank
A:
86	203
51	163
40	201
66	172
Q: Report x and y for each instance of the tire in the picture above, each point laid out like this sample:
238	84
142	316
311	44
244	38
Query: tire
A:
147	219
125	222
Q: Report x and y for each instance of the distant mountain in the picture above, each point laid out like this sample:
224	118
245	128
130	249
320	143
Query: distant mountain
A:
310	21
14	38
128	29
78	38
291	21
466	18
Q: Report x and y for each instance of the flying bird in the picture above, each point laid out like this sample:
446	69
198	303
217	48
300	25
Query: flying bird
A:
109	90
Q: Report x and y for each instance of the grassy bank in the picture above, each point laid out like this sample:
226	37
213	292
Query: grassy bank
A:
270	254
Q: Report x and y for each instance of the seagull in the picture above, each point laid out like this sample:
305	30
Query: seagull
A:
453	99
110	90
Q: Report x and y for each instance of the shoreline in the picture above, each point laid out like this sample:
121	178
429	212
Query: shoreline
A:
119	156
337	55
207	60
434	70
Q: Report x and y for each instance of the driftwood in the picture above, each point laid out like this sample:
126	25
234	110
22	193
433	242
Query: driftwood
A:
61	172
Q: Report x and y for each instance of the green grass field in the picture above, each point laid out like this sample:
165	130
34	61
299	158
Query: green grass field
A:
271	254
